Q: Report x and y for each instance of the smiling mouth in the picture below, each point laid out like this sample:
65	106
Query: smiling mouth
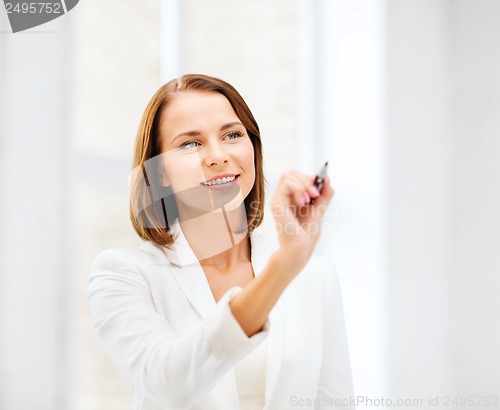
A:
220	181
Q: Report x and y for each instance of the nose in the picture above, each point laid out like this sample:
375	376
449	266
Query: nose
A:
215	154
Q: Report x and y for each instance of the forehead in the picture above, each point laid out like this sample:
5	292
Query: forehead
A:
196	111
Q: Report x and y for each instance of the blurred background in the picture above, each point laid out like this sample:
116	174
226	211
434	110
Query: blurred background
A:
402	97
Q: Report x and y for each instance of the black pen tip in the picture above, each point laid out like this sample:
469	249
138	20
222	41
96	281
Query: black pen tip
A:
326	163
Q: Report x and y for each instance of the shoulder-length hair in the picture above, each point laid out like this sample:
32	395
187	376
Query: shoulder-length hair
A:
147	196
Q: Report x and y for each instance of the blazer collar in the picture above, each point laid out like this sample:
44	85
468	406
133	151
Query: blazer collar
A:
181	254
190	276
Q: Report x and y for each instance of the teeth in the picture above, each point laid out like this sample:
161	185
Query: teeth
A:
220	181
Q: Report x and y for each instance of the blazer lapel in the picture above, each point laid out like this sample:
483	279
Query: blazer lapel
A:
189	274
262	249
275	348
192	280
194	284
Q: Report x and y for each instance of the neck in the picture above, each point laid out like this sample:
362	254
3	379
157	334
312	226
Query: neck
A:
216	238
228	260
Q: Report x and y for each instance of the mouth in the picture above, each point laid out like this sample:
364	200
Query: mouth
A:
221	182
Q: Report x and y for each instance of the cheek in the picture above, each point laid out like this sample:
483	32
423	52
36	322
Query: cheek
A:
178	169
251	168
247	157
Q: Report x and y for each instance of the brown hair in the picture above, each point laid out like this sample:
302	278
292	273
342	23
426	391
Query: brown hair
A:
147	196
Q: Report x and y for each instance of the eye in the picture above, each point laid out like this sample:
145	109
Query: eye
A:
189	144
234	135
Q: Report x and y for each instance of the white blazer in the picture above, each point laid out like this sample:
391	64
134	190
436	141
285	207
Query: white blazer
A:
156	316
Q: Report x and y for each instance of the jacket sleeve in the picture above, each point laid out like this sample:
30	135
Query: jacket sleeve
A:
173	370
335	389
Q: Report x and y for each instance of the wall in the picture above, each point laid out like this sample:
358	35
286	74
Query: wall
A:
35	217
443	105
117	70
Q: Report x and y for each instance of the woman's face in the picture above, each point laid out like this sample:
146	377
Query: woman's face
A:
208	157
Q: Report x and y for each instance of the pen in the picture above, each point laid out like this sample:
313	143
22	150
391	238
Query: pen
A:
320	178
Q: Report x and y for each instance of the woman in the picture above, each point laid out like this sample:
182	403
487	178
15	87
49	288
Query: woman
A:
208	314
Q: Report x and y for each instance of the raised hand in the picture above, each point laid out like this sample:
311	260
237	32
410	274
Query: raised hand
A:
297	222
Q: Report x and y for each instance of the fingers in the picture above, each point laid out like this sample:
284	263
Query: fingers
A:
290	188
297	220
301	189
304	185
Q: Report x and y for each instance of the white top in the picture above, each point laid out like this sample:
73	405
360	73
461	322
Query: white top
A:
156	316
251	378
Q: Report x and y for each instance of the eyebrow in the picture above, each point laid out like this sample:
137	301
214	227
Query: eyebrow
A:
196	133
